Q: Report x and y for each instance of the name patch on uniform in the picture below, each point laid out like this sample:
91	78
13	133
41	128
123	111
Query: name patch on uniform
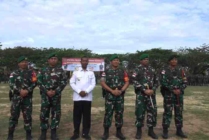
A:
11	75
52	74
134	74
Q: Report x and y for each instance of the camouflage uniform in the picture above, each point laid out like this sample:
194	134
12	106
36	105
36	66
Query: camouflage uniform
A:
145	77
114	79
21	79
51	78
173	79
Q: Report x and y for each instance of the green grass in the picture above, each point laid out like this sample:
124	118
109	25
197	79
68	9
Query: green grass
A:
196	111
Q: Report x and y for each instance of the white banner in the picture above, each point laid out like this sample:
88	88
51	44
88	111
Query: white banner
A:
72	64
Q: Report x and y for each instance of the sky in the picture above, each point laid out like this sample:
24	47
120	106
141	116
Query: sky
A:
104	26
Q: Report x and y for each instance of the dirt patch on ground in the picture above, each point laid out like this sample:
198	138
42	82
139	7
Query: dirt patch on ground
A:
3	87
97	110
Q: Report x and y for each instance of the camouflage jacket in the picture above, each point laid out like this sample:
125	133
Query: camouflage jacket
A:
114	78
22	79
173	78
52	78
145	78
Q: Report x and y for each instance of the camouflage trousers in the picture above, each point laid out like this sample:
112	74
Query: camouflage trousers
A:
144	104
172	101
53	105
110	107
21	104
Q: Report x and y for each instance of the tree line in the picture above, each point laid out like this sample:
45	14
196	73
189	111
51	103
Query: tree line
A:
195	60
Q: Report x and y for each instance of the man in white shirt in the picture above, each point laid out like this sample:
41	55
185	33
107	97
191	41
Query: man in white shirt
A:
82	83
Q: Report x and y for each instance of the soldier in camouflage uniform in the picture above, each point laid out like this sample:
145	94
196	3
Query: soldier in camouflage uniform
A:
51	81
21	82
145	81
115	81
173	82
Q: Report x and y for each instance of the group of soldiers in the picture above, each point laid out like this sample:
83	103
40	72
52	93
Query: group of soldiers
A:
51	80
198	80
4	77
115	81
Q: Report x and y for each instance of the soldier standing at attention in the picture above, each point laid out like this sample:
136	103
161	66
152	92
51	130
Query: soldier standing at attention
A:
173	82
21	82
51	81
145	81
115	81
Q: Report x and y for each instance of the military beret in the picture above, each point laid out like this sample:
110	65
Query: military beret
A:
143	56
52	55
21	58
114	56
172	57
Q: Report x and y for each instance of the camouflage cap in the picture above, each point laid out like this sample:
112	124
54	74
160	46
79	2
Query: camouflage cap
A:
114	56
52	55
172	57
143	56
21	58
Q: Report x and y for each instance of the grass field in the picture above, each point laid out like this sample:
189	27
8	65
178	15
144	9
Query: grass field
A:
196	110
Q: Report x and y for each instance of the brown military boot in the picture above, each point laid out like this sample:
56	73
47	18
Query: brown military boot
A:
10	135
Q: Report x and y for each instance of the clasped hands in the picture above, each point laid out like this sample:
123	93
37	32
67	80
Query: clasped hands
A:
116	92
23	92
83	94
50	93
177	91
149	91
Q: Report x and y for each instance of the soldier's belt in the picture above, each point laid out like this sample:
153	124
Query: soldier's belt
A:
51	88
164	88
149	88
119	88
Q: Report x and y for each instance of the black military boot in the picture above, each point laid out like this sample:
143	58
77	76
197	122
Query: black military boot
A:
28	135
139	133
106	134
180	133
165	133
54	135
43	135
119	134
151	133
75	136
10	135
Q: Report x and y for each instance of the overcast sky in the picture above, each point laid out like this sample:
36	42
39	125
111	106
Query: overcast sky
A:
104	26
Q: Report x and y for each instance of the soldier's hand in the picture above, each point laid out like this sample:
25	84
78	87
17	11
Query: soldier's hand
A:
151	91
148	92
23	92
116	92
49	93
53	92
176	91
82	94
